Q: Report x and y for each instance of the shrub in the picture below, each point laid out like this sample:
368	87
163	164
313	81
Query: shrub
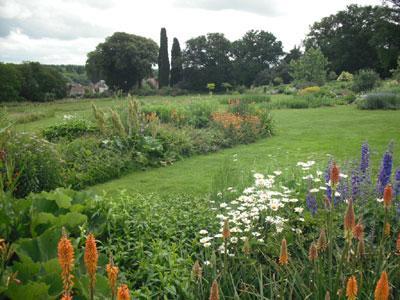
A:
90	160
68	130
381	100
345	76
365	80
310	90
37	162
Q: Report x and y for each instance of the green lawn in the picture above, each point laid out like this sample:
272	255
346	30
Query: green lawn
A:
300	135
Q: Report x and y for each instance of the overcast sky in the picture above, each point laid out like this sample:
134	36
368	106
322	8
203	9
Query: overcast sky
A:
64	31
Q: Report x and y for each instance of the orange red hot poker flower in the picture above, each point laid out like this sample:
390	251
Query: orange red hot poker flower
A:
123	293
66	261
335	174
284	257
387	195
382	287
214	291
112	275
351	288
91	256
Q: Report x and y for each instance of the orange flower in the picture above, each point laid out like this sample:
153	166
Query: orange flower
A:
382	288
398	244
313	252
351	289
226	233
66	297
327	296
91	256
349	220
66	261
387	196
284	258
214	291
387	229
112	275
358	231
123	293
335	173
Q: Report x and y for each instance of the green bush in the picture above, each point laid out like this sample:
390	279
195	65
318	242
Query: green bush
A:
90	160
38	163
380	100
365	80
68	130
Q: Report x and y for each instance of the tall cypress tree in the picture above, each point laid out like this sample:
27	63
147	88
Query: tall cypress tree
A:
163	60
176	63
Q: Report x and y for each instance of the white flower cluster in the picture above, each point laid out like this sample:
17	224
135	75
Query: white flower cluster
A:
257	207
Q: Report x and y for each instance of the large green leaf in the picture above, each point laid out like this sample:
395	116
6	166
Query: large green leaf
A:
29	291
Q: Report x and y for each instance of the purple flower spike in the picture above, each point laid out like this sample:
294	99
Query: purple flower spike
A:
364	163
311	203
385	173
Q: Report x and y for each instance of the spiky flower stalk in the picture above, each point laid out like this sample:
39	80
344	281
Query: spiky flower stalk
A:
313	252
118	127
66	261
123	293
112	276
197	271
214	291
398	245
387	196
322	243
334	175
283	257
351	288
358	231
385	172
382	287
349	221
91	258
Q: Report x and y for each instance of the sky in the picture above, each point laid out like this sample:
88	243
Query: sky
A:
64	31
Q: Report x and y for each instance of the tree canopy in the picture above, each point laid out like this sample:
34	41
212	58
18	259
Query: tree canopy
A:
254	52
176	63
163	60
357	38
207	59
123	60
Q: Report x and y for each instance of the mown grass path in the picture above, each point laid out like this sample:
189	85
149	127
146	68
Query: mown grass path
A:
300	135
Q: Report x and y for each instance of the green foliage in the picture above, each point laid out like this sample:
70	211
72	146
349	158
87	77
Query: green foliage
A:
69	130
37	164
213	51
396	72
10	83
345	76
380	100
33	116
254	52
41	83
311	67
365	80
123	60
163	60
359	37
176	63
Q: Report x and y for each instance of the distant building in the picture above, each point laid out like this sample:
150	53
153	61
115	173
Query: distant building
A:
99	87
76	90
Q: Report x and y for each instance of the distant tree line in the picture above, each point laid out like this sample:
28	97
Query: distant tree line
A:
31	81
360	37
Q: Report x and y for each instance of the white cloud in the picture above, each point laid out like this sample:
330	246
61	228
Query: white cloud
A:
63	31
